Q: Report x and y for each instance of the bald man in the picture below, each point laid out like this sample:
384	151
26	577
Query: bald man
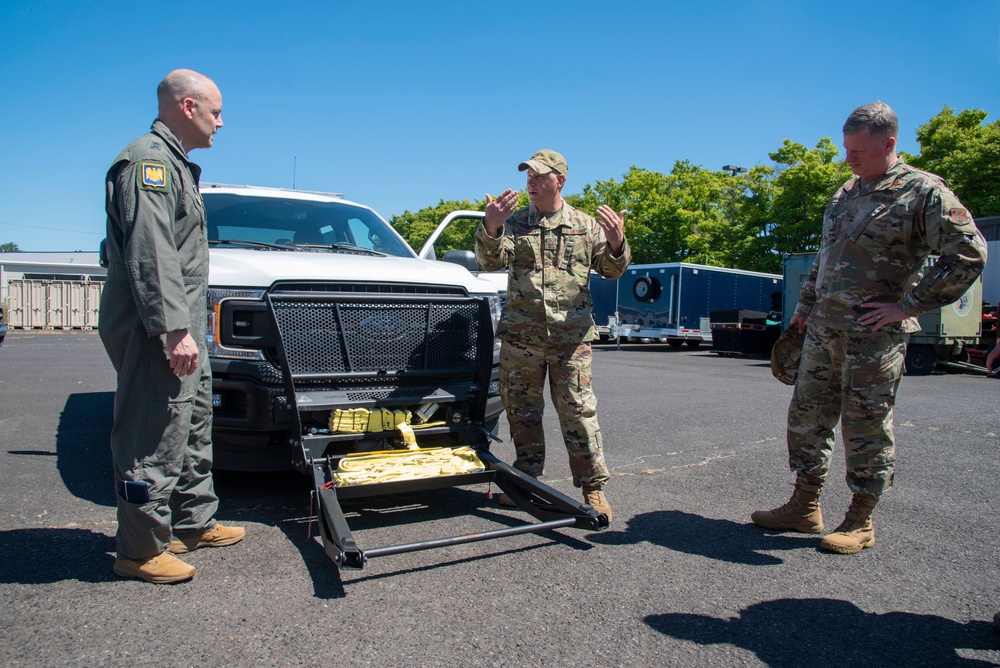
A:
152	324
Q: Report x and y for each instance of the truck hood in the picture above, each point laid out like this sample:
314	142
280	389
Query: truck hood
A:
259	269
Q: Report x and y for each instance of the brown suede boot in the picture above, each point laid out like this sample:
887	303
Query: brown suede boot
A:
163	568
801	513
217	536
856	531
594	497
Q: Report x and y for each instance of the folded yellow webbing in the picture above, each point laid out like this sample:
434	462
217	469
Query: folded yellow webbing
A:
372	467
359	420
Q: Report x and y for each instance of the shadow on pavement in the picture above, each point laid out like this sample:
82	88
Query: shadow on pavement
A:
816	633
52	555
723	540
83	446
390	520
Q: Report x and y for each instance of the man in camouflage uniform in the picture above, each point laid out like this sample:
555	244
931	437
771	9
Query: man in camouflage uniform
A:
152	323
857	307
547	325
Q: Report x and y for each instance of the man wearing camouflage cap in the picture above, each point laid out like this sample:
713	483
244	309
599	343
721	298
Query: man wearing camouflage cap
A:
857	307
547	324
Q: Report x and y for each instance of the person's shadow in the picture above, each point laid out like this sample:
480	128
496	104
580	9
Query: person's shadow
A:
83	446
816	633
723	540
45	555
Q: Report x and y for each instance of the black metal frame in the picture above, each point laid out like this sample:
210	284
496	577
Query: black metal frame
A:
320	453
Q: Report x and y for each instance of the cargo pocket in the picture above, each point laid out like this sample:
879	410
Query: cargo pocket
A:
168	424
876	379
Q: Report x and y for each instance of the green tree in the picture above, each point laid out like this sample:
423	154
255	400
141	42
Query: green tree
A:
966	153
415	227
748	204
691	214
461	235
9	247
806	178
650	224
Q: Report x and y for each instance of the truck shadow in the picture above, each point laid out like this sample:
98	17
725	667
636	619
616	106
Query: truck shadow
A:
402	519
723	540
281	499
817	633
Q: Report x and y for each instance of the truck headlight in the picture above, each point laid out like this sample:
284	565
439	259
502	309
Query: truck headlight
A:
217	300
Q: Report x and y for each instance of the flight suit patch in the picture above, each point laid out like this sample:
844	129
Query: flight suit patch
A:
153	176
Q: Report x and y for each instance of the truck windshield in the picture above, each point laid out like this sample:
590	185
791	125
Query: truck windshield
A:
265	222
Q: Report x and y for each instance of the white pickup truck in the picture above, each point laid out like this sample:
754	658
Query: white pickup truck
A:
376	325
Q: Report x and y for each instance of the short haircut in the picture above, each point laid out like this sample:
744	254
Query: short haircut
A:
180	84
876	118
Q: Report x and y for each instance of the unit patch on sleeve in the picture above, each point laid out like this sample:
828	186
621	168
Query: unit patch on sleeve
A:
153	176
959	215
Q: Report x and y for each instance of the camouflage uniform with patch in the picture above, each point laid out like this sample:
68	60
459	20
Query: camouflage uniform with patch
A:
877	234
157	283
547	325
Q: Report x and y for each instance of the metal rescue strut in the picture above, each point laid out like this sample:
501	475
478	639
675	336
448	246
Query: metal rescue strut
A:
366	376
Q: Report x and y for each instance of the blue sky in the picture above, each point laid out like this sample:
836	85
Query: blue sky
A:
400	104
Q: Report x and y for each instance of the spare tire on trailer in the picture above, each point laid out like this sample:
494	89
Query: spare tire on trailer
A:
646	289
920	360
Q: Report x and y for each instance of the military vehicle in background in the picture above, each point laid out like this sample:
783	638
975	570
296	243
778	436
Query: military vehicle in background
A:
946	334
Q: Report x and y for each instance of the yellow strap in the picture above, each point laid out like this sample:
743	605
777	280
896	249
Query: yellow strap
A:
406	465
408	437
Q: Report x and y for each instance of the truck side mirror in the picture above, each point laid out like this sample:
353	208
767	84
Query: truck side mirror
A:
463	258
102	254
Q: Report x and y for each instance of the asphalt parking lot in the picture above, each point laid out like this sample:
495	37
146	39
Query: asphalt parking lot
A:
695	443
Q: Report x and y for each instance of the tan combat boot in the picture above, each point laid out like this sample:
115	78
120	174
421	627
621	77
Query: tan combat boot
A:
217	536
801	513
856	531
594	496
164	568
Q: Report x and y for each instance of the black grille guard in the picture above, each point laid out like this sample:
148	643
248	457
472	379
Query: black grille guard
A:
340	350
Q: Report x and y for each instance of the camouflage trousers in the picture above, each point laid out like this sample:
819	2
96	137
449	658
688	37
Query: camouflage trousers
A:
522	380
851	378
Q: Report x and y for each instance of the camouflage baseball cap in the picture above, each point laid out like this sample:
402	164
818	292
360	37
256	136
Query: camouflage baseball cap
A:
545	161
785	355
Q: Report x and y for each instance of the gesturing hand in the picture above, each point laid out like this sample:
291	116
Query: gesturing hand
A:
498	209
613	225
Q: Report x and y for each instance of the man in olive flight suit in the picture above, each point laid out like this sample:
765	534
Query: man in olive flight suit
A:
547	325
857	307
152	323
